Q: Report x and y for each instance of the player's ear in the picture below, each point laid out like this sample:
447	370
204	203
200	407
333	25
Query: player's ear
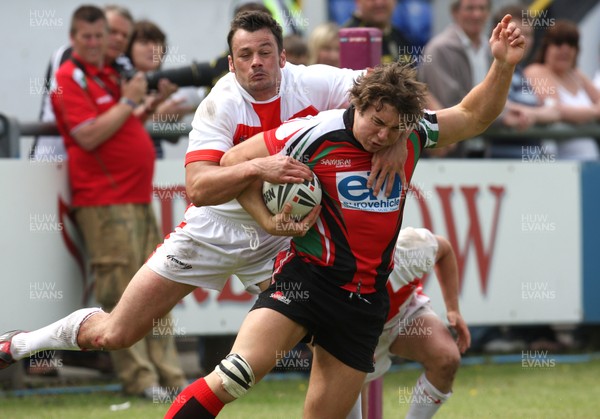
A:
282	58
230	63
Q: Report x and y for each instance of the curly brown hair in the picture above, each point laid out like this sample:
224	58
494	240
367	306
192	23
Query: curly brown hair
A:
394	84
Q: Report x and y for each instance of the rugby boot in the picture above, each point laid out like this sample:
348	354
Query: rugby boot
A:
6	358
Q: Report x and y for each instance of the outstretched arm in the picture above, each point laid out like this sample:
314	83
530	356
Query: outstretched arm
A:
482	105
446	270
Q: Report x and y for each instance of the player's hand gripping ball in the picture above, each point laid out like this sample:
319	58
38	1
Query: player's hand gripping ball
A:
303	196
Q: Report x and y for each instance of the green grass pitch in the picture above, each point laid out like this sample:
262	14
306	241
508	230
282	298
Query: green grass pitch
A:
481	391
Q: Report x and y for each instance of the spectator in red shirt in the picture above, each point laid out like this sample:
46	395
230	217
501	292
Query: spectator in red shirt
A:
111	165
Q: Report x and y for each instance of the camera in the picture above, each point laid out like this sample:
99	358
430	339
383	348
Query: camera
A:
194	74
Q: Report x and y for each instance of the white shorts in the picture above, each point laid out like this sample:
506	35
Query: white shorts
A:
206	249
419	305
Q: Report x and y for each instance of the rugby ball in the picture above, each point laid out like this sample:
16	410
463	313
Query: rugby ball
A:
303	196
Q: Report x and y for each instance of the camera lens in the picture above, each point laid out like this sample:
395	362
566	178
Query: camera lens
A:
195	74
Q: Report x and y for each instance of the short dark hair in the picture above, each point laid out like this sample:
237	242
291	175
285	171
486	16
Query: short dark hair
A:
145	30
563	31
249	7
394	84
86	13
253	21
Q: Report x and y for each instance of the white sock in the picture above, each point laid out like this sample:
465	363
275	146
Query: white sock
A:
426	399
60	335
356	412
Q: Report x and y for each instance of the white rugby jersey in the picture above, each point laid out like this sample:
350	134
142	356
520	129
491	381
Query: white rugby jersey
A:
230	115
415	256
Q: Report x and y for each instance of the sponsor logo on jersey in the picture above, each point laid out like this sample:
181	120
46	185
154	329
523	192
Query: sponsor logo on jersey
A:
104	99
177	264
79	77
336	162
355	195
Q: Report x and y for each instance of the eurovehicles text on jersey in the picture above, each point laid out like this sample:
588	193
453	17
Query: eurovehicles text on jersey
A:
355	195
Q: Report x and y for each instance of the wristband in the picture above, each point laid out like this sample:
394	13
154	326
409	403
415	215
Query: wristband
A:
128	101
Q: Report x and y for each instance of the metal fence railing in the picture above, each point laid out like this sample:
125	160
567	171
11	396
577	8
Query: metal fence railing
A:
12	130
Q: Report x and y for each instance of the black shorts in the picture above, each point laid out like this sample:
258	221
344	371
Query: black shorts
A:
344	324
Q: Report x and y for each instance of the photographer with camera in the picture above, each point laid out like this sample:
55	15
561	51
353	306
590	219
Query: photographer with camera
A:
111	166
120	24
147	50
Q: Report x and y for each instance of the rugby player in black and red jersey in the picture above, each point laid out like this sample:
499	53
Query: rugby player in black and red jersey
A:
342	263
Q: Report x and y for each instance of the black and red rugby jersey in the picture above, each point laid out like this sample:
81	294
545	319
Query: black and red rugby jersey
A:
352	243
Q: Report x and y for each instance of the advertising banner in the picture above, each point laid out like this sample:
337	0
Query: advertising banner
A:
515	228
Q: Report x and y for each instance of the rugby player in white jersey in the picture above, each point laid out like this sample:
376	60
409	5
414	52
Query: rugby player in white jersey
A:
413	330
215	241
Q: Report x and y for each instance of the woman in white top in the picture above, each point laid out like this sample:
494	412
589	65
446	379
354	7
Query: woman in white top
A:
556	79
